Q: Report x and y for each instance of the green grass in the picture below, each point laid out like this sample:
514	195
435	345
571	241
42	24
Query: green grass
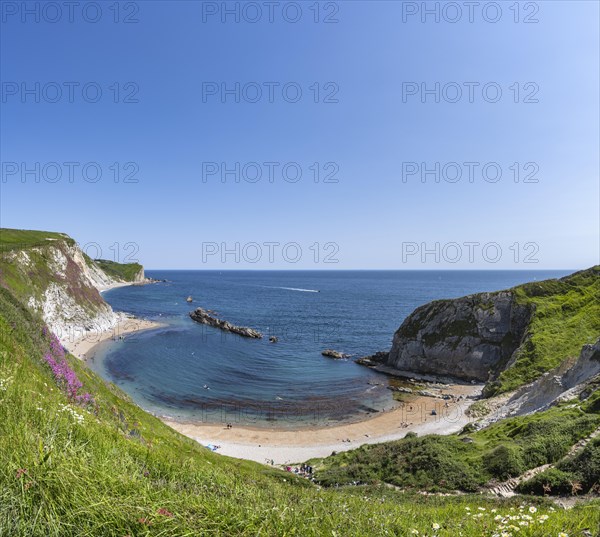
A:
444	463
18	239
566	316
114	472
121	271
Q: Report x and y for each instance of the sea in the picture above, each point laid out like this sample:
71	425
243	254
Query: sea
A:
195	373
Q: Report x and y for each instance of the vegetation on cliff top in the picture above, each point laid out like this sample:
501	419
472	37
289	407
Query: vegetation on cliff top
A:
126	272
566	316
29	262
18	239
27	267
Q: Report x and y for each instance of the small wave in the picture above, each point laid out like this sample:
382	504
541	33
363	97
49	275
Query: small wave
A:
296	289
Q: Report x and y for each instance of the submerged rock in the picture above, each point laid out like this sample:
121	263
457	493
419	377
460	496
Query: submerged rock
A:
202	316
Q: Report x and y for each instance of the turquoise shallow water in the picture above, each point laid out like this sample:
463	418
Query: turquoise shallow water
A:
194	372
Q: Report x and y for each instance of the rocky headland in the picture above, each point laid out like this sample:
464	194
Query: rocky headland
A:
504	339
470	338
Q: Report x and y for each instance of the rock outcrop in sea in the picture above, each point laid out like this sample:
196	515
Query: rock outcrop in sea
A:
469	338
329	353
203	317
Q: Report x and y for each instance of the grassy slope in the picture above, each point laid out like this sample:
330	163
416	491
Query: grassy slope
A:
18	239
566	316
111	473
503	450
121	271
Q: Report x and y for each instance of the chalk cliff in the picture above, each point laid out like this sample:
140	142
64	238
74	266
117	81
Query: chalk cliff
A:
51	275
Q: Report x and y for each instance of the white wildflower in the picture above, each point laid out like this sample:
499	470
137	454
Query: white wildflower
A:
5	383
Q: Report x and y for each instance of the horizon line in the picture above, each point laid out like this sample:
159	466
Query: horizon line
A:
368	269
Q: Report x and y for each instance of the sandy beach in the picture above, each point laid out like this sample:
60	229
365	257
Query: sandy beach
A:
82	347
292	446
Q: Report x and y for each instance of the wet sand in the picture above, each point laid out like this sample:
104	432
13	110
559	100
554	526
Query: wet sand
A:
83	347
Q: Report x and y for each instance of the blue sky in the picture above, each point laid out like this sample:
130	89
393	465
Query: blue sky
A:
372	217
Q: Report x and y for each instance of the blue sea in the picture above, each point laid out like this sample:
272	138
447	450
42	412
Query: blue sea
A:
193	372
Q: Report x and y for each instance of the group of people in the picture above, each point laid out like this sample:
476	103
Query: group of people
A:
304	470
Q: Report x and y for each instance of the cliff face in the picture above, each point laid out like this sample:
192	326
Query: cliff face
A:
55	279
467	338
508	338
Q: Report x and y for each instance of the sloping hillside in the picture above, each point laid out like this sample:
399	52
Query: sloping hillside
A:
125	272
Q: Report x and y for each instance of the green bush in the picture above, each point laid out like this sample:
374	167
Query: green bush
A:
431	462
504	461
579	474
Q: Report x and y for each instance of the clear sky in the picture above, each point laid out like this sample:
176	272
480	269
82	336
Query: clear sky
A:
369	131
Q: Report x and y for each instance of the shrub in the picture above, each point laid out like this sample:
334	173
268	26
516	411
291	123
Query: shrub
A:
552	481
504	462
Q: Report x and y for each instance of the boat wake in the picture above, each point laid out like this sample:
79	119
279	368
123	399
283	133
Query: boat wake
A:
297	289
